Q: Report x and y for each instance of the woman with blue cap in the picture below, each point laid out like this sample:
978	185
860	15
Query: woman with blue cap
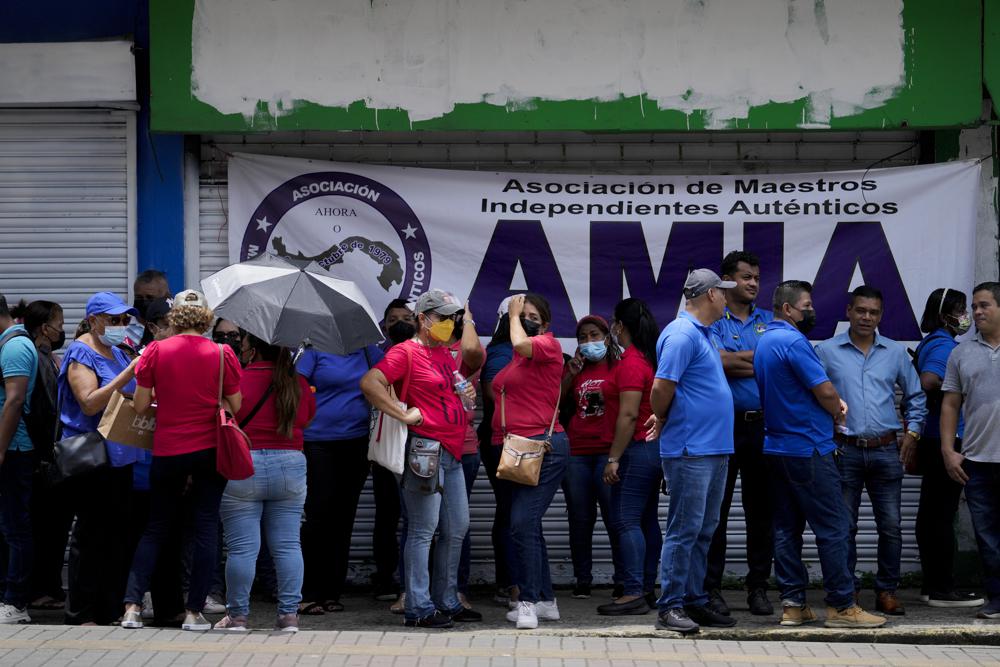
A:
92	370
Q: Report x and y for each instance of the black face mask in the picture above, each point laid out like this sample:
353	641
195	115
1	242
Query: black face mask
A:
401	331
530	327
141	304
59	341
808	321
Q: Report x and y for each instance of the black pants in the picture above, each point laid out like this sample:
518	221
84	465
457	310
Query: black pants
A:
935	529
168	477
165	587
15	526
501	538
335	475
51	520
749	463
99	554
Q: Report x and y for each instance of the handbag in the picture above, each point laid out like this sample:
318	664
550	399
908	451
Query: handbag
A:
76	455
521	458
423	463
387	438
232	457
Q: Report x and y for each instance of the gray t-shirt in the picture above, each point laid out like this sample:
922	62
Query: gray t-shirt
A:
974	372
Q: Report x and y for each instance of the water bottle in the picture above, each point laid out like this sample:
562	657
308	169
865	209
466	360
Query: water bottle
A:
461	384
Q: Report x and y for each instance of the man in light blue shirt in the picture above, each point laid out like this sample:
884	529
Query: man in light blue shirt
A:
866	368
692	400
18	369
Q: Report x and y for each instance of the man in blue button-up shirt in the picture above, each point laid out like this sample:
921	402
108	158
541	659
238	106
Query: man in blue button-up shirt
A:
735	335
866	368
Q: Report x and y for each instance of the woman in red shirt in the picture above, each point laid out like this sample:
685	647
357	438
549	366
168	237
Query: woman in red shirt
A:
183	370
277	406
633	467
583	385
527	390
425	367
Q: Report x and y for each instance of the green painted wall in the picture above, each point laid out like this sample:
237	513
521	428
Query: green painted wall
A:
942	53
991	51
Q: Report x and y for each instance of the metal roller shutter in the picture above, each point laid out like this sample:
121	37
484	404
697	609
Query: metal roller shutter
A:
693	153
66	205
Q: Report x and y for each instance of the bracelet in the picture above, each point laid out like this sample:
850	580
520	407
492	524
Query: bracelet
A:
468	321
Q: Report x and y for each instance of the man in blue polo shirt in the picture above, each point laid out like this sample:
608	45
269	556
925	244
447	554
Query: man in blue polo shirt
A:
800	406
692	398
18	368
866	368
735	335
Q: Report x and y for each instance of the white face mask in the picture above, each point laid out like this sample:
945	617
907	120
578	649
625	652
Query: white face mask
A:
113	336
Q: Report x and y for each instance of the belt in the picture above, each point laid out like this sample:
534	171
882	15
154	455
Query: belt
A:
867	443
749	415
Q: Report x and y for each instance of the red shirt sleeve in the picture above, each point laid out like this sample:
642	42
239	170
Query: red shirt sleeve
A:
233	371
546	349
631	375
394	364
145	370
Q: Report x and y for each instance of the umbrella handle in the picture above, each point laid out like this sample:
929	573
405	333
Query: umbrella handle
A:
298	353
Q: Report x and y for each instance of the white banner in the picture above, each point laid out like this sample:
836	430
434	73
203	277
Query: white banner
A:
585	242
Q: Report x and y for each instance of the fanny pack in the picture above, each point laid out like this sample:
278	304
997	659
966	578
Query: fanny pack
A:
421	474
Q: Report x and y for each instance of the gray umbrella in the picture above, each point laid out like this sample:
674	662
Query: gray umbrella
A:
281	302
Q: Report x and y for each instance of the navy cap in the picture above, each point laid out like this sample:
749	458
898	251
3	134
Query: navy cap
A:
158	309
109	304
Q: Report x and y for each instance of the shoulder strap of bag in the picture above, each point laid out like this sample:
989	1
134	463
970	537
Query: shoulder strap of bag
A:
222	371
257	407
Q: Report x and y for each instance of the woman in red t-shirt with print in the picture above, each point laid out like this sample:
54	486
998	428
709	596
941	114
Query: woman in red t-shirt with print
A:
633	467
183	371
527	390
425	366
583	386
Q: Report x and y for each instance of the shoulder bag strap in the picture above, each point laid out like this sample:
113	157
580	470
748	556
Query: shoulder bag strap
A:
503	410
257	407
555	415
222	371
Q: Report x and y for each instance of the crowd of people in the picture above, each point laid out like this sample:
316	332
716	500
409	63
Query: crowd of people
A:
728	390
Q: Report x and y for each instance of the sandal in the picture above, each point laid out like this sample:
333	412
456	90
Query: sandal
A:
311	609
47	603
333	606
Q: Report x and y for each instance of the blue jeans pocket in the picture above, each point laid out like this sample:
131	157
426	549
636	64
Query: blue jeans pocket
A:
242	488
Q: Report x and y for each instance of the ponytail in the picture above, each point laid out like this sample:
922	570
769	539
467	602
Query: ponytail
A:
638	320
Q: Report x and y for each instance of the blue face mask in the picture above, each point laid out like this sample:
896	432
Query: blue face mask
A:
113	336
594	351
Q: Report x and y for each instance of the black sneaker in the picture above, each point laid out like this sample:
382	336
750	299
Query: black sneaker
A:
758	603
464	615
676	620
709	618
581	591
618	591
991	610
435	621
635	607
716	602
954	599
650	598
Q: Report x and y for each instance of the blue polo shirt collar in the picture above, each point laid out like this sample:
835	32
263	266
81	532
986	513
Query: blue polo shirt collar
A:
688	316
755	314
844	339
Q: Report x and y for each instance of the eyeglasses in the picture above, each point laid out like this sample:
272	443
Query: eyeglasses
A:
118	320
227	337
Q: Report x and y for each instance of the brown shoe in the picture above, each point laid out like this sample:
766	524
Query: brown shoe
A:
399	605
793	615
887	603
853	617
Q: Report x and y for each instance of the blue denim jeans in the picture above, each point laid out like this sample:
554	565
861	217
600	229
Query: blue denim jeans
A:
635	502
530	563
273	498
425	514
879	471
585	491
982	493
809	490
470	468
696	485
15	525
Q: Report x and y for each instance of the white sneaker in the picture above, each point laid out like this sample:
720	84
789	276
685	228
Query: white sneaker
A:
147	606
213	606
524	616
132	620
195	623
11	615
547	610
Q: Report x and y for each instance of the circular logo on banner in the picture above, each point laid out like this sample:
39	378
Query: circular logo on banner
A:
351	226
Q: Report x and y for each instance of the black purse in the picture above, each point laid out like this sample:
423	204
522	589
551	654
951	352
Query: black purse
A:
76	455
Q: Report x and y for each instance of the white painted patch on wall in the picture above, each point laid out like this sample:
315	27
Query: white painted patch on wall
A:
67	73
425	56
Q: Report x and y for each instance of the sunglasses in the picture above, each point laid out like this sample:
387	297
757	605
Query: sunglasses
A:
118	320
227	337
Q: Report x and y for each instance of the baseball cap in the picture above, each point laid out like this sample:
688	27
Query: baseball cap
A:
700	281
190	297
108	303
438	301
158	309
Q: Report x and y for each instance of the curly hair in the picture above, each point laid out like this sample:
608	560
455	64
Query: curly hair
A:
182	318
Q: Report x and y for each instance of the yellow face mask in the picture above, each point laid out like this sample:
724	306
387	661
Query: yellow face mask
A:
442	331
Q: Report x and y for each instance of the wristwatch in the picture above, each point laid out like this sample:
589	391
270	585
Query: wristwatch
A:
914	435
612	459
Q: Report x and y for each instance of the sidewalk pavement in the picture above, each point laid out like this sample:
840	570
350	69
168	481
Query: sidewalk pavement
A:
920	625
